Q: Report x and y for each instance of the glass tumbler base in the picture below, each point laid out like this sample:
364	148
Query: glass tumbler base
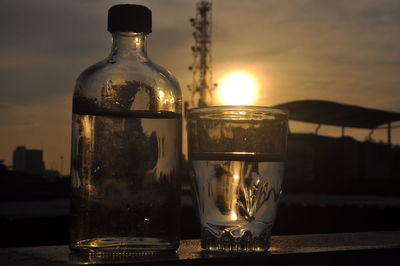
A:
227	243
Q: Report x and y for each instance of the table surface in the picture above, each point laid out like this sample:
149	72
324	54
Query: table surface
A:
367	248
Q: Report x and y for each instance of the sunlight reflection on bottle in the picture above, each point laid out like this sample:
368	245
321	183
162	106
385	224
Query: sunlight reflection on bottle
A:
233	216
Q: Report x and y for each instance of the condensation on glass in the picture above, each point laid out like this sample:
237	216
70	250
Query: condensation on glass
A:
237	155
126	149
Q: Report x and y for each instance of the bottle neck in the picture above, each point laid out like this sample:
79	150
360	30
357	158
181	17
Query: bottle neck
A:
129	45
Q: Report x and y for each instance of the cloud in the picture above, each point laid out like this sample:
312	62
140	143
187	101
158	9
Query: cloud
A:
337	50
49	44
10	115
308	35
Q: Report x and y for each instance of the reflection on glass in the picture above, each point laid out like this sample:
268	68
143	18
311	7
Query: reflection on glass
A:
125	170
237	157
121	258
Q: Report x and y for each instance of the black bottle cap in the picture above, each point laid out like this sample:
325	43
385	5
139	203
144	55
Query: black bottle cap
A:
127	18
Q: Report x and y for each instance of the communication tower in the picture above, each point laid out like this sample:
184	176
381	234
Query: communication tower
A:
202	86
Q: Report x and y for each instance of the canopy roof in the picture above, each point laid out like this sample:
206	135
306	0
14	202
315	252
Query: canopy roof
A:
337	114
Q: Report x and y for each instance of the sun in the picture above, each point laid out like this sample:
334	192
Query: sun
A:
238	88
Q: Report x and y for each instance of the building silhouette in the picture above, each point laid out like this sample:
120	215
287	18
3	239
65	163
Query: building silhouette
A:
28	161
313	157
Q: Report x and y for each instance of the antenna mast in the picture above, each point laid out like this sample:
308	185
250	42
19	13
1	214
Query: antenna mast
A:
202	86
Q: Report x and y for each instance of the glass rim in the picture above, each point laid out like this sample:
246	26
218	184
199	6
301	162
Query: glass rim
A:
254	108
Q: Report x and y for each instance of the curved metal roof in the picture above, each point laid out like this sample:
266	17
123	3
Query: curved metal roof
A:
337	114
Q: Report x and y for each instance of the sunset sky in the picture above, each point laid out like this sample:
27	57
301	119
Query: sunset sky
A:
344	51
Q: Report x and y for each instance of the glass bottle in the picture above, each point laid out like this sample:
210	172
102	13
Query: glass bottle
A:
126	146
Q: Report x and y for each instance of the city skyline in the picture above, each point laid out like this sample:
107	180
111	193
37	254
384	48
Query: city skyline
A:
338	51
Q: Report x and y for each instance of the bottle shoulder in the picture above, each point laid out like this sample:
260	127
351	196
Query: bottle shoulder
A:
128	86
143	71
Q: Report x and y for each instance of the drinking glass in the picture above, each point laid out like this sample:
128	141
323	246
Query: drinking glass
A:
237	156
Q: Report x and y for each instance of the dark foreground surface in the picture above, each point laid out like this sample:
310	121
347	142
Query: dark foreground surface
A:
43	223
40	223
369	248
